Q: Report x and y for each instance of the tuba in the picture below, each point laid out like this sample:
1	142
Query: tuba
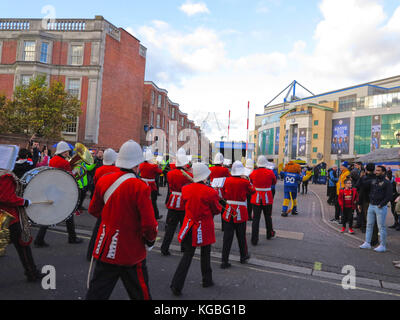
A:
5	219
82	155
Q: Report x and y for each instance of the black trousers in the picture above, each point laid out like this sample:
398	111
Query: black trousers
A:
105	276
154	196
24	252
93	239
70	229
331	194
249	207
267	211
394	213
178	281
347	217
82	196
304	187
173	218
230	228
338	210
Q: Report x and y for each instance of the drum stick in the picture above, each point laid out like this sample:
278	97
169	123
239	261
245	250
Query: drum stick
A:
43	202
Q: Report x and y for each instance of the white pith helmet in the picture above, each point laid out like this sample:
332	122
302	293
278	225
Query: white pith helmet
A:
148	155
227	162
262	162
238	169
109	157
250	164
181	151
200	172
181	160
219	158
62	146
130	155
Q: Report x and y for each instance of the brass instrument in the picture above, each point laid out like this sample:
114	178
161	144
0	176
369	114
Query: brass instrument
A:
82	154
5	219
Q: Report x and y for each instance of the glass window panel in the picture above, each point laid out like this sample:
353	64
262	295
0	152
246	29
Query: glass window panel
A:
29	50
77	55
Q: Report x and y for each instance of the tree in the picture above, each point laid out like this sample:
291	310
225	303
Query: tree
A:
39	109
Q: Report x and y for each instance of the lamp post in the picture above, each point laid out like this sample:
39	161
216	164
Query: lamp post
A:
339	157
398	137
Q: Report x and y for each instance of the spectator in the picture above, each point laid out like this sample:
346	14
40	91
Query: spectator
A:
395	204
22	165
355	175
340	185
333	178
348	198
45	158
380	195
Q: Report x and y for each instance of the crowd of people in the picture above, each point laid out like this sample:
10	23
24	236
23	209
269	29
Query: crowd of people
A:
124	188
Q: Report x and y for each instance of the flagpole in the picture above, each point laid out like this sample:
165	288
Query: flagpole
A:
248	117
229	123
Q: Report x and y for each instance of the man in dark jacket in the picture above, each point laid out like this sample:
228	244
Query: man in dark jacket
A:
380	194
22	165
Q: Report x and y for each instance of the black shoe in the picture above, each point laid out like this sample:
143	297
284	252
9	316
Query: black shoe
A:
75	241
159	217
393	226
165	253
41	244
225	265
284	214
175	291
34	276
398	228
254	243
295	213
245	259
208	284
272	235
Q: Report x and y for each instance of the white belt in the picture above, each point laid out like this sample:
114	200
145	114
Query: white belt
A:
264	190
148	180
176	193
237	203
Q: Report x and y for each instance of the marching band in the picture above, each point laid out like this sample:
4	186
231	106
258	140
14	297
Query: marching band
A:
124	202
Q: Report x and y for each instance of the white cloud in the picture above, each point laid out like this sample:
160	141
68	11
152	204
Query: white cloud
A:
191	8
355	42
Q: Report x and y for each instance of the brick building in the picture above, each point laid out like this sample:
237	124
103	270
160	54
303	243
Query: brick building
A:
159	112
101	64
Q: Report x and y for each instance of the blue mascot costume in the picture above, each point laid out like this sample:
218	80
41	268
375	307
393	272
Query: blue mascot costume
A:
291	176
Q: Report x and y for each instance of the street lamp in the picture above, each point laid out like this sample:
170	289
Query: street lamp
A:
339	157
398	137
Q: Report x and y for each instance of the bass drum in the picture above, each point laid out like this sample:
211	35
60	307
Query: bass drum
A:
44	184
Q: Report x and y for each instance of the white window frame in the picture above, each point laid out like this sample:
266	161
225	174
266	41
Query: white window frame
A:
152	118
1	49
21	78
158	121
24	52
159	102
173	113
48	53
71	57
78	96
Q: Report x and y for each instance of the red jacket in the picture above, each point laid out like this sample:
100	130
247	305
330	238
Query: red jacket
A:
103	170
9	201
262	179
126	220
348	198
60	163
236	189
176	181
201	205
219	172
149	173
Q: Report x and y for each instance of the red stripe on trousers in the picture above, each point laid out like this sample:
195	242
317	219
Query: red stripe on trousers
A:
142	282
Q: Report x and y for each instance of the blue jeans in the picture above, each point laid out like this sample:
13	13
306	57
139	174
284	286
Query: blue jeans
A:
380	215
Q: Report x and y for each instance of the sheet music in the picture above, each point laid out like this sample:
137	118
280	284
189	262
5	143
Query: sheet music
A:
218	182
8	156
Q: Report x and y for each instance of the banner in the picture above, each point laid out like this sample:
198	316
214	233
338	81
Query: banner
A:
302	142
376	133
294	141
277	140
340	136
287	143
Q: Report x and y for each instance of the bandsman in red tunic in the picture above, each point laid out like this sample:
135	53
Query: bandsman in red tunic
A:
148	173
235	191
201	204
177	179
9	203
109	158
59	161
262	179
127	226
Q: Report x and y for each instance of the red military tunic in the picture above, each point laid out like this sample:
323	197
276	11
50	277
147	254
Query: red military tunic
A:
262	179
148	173
201	204
219	172
176	181
126	220
104	170
9	201
60	163
235	192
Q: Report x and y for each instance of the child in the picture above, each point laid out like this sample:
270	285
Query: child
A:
348	198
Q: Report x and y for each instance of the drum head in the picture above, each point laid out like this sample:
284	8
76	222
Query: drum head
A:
53	184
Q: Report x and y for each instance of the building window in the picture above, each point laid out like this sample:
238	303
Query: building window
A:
182	121
77	55
159	101
25	79
173	113
314	161
158	121
315	136
152	118
347	103
153	98
315	150
74	86
44	52
315	122
362	135
29	51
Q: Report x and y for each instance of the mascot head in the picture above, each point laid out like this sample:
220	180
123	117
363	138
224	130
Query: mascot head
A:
292	167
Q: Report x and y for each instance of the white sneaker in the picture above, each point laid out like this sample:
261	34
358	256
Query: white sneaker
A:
365	245
396	262
397	266
380	249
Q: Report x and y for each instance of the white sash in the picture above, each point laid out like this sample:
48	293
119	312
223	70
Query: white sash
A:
116	184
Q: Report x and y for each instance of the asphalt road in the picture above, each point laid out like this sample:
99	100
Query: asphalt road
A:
304	262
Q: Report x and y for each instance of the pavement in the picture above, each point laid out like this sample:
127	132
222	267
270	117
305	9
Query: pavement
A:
305	260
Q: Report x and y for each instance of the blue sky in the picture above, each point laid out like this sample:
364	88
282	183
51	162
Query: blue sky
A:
214	56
